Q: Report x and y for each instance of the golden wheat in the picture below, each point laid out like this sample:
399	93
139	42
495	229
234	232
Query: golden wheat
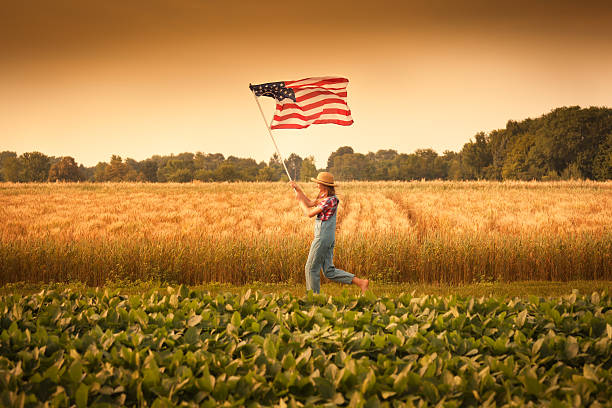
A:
244	232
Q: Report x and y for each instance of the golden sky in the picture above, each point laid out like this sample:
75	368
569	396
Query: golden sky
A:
138	78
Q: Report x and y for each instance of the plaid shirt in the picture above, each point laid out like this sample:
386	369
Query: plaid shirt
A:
329	205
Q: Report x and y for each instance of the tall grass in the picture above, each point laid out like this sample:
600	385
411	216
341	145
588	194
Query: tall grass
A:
452	232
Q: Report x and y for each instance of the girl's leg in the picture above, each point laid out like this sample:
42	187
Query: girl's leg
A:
313	267
338	275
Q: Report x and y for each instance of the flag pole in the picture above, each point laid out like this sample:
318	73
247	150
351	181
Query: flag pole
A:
272	137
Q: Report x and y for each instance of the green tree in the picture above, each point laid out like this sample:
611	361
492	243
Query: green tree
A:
517	165
5	155
116	170
207	161
247	168
308	169
340	152
100	172
148	168
12	169
385	155
35	167
226	172
87	173
572	172
426	164
266	174
133	171
177	171
454	167
65	170
181	176
276	166
294	165
354	166
602	164
476	157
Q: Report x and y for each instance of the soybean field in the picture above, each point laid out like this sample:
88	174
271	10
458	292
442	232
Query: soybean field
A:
182	347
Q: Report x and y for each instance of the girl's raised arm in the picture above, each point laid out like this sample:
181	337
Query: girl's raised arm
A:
301	196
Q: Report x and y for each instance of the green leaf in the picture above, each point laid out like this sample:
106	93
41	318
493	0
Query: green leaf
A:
537	345
530	380
387	394
236	319
370	296
139	316
270	349
192	335
76	371
520	318
399	384
151	376
288	361
430	391
338	399
13	330
52	373
369	382
324	387
380	340
81	396
194	320
246	296
571	347
372	402
589	373
206	382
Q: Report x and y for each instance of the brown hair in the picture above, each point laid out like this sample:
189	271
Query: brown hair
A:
329	191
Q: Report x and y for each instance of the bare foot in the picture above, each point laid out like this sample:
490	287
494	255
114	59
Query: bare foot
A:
362	283
364	286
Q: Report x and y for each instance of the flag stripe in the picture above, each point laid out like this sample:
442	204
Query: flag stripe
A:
280	118
316	98
337	118
310	106
304	95
284	109
316	82
317	122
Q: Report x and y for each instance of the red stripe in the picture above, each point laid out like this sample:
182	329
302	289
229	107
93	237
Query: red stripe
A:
333	121
319	92
280	118
329	81
289	126
317	122
289	105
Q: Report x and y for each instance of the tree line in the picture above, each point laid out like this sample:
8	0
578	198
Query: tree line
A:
184	167
567	143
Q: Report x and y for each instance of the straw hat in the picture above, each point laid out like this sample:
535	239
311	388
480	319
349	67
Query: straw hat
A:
324	178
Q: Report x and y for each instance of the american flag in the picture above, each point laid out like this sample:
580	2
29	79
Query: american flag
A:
302	103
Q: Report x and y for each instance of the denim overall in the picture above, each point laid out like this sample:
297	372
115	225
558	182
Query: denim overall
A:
321	256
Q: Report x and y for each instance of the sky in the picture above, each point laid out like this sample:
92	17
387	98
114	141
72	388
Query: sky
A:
137	78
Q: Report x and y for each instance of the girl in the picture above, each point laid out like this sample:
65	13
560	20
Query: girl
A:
322	248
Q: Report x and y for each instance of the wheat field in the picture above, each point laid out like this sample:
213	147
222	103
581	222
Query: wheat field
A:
451	232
